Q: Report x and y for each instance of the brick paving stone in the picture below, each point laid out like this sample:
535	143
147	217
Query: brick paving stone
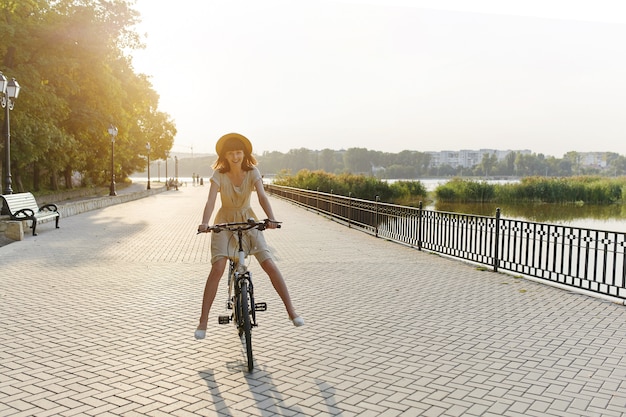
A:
456	411
434	411
390	330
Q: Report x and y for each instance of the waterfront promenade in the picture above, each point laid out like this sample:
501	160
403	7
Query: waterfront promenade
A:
97	319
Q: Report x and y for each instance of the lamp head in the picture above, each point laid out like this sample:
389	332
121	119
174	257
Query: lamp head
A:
3	83
13	89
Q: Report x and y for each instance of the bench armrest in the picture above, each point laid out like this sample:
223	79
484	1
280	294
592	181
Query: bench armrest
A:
24	213
49	207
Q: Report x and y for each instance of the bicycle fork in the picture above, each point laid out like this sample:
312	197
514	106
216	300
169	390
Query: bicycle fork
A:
234	287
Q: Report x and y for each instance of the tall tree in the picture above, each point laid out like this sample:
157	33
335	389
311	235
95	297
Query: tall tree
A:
358	161
69	57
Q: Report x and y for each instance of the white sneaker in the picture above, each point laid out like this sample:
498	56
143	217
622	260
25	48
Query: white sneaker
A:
298	321
199	334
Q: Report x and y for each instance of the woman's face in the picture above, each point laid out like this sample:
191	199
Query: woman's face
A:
234	157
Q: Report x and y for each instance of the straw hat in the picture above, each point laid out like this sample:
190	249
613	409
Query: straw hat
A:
222	141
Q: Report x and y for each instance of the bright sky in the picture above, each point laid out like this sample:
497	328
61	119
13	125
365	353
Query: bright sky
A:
390	75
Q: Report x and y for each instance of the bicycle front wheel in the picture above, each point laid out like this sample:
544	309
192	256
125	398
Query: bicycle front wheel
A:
245	331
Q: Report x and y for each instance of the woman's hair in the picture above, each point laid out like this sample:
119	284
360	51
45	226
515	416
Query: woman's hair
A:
233	144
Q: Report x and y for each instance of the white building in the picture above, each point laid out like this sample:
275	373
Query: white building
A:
593	159
466	158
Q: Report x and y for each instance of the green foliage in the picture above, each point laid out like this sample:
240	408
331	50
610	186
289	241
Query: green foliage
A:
406	164
587	189
408	193
413	164
462	190
581	189
356	186
68	56
400	171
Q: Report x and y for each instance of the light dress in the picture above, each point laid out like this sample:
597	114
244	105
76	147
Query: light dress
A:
236	208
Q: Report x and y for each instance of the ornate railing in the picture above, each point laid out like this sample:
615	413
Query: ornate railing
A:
586	259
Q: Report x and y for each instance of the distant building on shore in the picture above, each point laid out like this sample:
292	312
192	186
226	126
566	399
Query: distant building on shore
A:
466	158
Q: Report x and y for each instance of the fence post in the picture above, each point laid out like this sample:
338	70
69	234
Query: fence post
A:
496	251
419	226
330	207
376	216
349	209
317	200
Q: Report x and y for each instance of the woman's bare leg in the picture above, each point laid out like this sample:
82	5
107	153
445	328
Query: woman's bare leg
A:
279	285
210	289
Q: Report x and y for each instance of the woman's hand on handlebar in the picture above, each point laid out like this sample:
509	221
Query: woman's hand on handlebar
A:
203	228
272	224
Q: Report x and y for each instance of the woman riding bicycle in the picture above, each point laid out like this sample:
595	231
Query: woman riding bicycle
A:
235	177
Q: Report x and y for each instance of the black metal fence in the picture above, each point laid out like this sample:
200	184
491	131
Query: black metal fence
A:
587	259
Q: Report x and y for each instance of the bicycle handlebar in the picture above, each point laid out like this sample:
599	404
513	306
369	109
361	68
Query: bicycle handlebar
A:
237	226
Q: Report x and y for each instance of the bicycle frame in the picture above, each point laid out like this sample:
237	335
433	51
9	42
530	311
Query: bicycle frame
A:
240	288
237	274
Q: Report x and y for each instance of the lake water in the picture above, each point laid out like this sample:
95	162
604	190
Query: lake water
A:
599	217
611	217
432	183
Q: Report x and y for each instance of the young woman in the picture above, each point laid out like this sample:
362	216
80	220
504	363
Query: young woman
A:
235	177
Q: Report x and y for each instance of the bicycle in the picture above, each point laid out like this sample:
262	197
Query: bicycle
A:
240	288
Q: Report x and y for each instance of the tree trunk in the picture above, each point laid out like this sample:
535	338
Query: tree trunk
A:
36	177
67	173
54	181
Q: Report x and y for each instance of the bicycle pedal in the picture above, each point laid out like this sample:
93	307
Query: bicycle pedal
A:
223	319
260	306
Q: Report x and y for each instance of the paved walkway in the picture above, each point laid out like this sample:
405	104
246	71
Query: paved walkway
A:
81	204
97	318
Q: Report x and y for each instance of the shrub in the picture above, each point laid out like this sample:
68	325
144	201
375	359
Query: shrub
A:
358	186
587	189
461	190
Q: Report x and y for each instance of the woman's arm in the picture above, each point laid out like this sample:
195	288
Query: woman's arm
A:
264	201
209	206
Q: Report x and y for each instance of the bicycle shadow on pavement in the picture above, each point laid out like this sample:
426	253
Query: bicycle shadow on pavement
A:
327	391
218	401
267	395
270	399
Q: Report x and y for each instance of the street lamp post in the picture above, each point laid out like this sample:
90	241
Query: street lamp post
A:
176	170
113	133
148	149
10	90
167	179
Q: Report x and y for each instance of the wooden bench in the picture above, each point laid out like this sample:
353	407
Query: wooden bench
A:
22	206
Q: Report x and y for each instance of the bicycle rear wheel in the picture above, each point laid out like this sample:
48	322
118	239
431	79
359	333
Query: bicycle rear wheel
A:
245	332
